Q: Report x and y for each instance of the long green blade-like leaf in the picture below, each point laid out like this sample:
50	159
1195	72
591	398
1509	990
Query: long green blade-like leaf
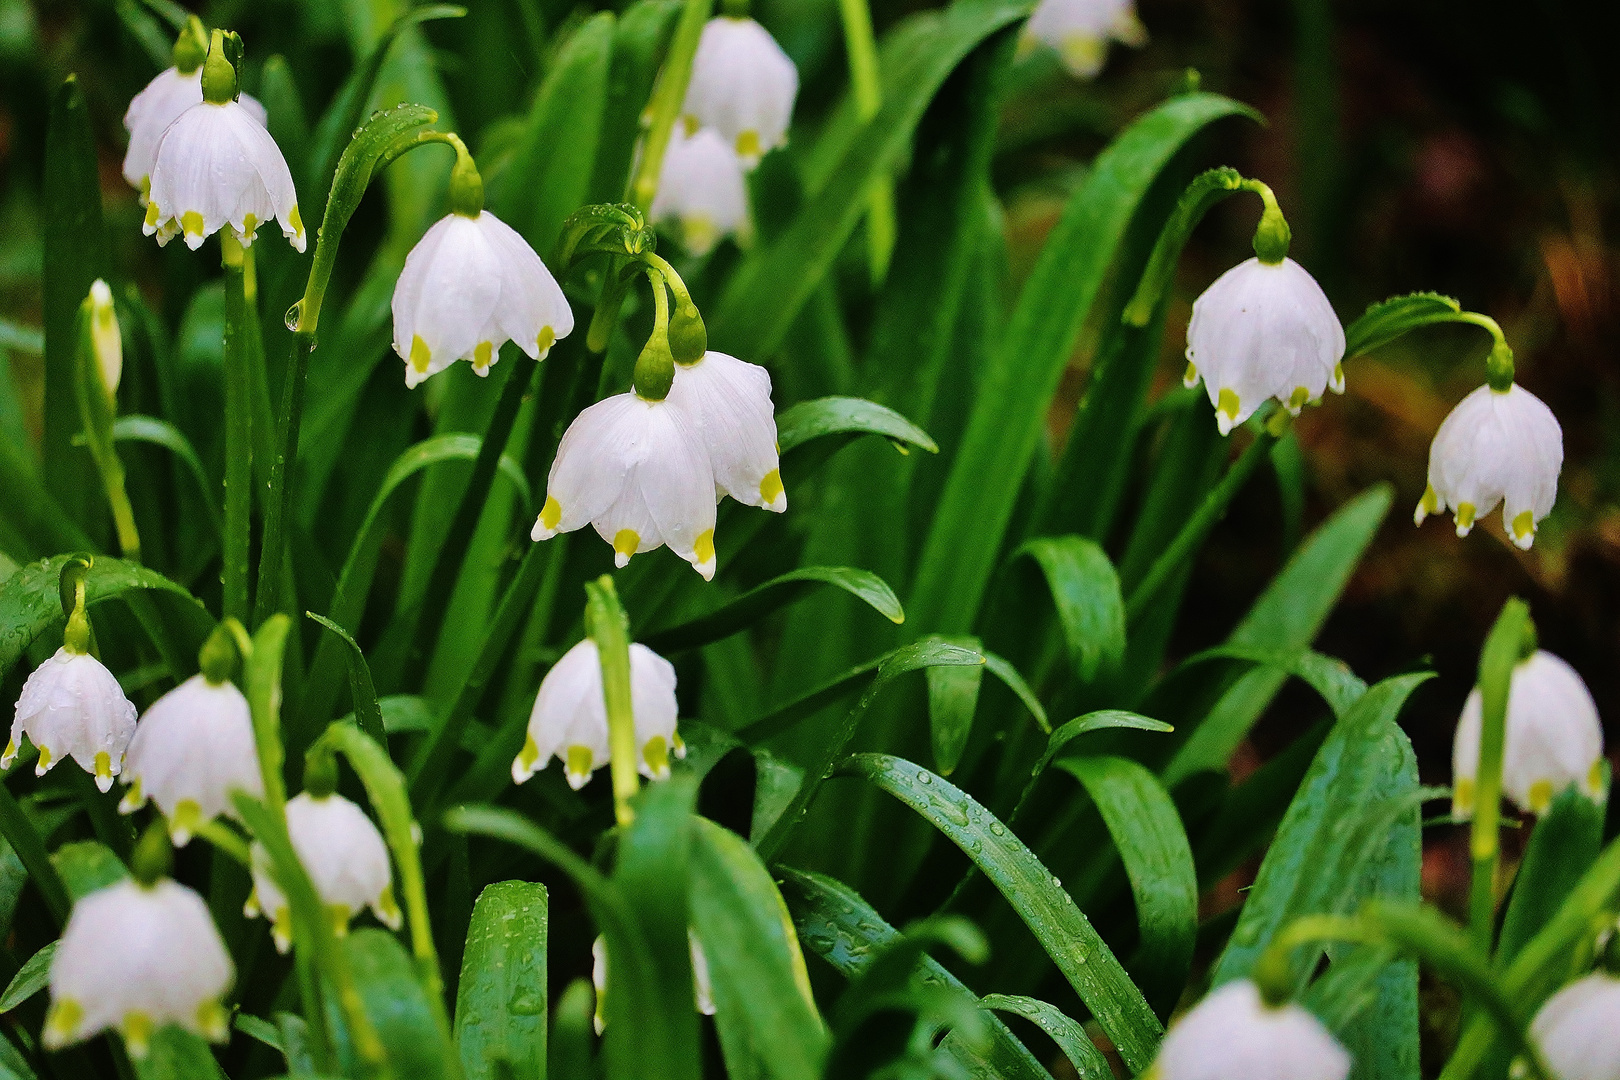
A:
1285	618
177	1054
30	979
1357	800
149	429
846	416
761	600
761	992
953	698
1566	840
398	1007
1387	320
768	291
501	999
1049	912
1070	1037
968	528
844	930
1091	608
1158	861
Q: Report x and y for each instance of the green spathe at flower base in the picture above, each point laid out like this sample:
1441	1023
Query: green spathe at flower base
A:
867	262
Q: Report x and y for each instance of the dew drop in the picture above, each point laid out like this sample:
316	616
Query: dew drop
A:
997	829
524	1003
924	777
294	314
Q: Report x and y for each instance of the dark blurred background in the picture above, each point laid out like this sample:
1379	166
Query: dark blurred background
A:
1464	148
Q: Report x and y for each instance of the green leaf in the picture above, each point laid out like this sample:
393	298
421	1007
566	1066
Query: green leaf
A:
262	1030
75	256
1204	192
846	416
1003	670
1565	841
149	429
1356	801
572	1034
844	930
30	979
1010	409
367	712
953	697
1329	676
549	175
1071	1038
1158	861
177	1054
1285	618
1387	320
399	1009
762	998
1090	606
501	999
1038	898
924	654
30	601
23	338
86	866
769	289
778	592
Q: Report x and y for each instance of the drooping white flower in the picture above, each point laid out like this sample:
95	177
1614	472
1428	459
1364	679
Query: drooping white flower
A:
701	190
470	285
192	749
570	722
1080	31
133	958
638	471
730	400
1553	738
105	339
1577	1031
1234	1035
346	860
1496	446
151	112
702	987
1263	330
216	165
743	86
72	706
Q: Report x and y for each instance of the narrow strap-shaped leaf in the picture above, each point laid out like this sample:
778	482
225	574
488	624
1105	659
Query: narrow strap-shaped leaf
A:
30	979
808	420
177	1054
924	654
1090	606
953	697
150	429
762	999
1565	841
1040	900
25	840
1002	669
847	932
501	998
960	552
367	711
1071	1038
399	1007
1158	861
761	600
1329	676
1387	320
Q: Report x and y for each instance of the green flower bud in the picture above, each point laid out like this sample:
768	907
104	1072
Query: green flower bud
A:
191	47
466	186
153	856
688	337
219	74
655	369
320	771
217	657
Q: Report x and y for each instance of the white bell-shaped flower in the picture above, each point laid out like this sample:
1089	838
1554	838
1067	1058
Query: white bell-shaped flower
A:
192	749
743	86
346	860
639	472
470	285
702	987
1234	1035
1496	446
1577	1030
1553	738
133	958
570	722
72	706
1263	330
730	400
1080	31
216	166
151	112
702	191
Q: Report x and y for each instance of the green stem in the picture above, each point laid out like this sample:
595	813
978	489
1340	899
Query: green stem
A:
1174	558
609	627
30	848
278	499
238	433
669	93
1496	663
861	46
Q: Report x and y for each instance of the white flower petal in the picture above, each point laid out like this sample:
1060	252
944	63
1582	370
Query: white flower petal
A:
191	749
1080	31
1576	1029
342	852
1553	738
72	705
1495	447
730	401
743	85
1233	1035
702	190
1261	331
216	165
157	106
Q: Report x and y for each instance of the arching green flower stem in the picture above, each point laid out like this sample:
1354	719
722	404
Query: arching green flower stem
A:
669	93
1504	648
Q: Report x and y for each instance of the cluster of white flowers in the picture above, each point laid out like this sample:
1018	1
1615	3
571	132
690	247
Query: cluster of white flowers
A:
738	106
1080	31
